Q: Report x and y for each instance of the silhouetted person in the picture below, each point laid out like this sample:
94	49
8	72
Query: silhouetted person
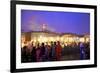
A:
82	52
33	54
53	51
47	51
38	50
42	52
58	51
23	53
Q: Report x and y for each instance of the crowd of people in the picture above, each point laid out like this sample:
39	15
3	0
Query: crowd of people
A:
41	52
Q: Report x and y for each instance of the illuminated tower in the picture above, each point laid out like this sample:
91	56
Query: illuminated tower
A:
44	27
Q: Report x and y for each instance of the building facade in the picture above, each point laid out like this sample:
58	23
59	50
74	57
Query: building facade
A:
47	36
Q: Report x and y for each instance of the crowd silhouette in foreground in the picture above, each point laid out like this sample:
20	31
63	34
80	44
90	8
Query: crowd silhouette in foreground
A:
42	52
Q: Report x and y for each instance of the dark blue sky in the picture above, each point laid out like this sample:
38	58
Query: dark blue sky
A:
66	22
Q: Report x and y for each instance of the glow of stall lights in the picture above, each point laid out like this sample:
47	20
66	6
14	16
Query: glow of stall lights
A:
23	39
39	39
51	38
87	39
62	39
22	45
44	39
34	40
66	44
57	38
71	40
82	40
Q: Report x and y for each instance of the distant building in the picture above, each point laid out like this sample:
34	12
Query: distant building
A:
47	36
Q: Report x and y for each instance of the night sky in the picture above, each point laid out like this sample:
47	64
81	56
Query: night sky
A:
62	22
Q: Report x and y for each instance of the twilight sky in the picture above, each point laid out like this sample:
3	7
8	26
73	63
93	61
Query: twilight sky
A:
69	22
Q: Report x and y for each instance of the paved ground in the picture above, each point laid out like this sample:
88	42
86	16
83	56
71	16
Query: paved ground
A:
71	57
69	54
